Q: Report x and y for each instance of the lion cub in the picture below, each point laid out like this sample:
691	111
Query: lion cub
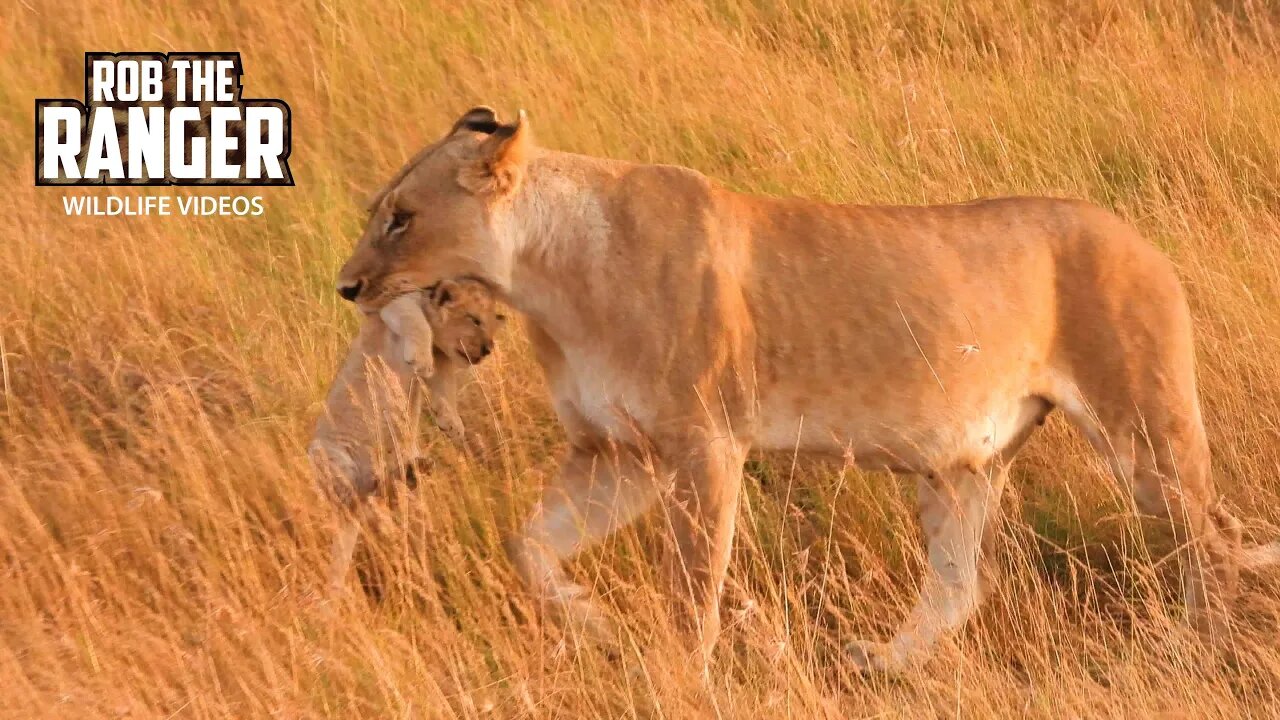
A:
368	429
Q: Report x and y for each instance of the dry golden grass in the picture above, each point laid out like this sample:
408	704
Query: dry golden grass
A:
160	540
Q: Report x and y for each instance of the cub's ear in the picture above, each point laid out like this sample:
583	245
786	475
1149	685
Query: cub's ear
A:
501	162
444	293
481	118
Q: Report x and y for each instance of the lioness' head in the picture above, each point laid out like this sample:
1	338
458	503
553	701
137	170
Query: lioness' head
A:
464	318
433	220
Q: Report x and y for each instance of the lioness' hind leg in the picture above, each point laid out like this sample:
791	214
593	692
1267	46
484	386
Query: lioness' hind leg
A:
958	513
1163	456
1172	481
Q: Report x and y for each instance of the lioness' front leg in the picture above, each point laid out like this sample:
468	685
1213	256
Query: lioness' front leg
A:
959	511
598	491
701	510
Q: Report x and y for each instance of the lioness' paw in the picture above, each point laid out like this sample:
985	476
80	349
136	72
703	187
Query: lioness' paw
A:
415	470
873	657
585	624
591	628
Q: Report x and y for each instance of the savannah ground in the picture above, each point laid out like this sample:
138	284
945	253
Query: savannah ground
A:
161	543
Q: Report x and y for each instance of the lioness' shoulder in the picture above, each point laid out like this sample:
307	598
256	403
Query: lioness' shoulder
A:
663	200
656	180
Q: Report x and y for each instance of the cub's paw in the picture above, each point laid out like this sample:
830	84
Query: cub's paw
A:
417	355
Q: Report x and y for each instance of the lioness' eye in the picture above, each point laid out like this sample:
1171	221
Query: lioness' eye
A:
399	219
475	320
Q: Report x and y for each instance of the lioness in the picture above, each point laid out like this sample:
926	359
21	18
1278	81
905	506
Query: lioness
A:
680	324
368	429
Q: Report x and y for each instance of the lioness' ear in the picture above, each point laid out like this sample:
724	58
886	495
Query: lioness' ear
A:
481	118
501	162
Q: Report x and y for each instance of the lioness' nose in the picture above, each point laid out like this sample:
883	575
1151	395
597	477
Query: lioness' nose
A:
350	290
485	350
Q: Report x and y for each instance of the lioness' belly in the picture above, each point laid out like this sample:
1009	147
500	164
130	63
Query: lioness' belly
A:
882	435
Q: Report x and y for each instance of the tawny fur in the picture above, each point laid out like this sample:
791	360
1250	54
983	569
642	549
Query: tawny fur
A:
368	431
680	324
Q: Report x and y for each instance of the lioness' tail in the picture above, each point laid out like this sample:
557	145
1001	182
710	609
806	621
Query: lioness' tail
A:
1260	557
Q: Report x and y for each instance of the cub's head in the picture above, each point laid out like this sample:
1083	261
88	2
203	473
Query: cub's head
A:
433	220
464	318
